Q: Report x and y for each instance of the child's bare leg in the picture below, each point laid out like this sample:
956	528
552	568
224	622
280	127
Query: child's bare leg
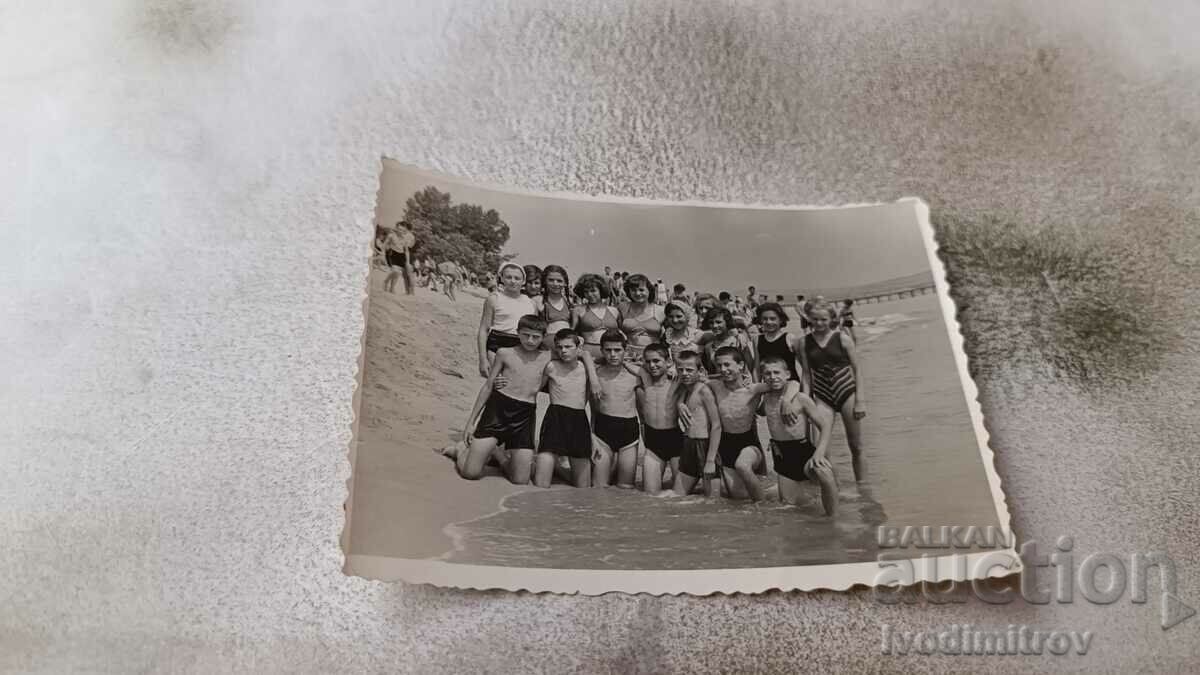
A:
562	469
734	488
824	477
652	471
389	284
581	472
470	463
602	463
543	473
627	460
674	469
854	439
408	282
683	484
747	459
712	488
519	465
789	491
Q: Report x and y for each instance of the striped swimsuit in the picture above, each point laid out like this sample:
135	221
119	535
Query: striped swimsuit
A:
832	376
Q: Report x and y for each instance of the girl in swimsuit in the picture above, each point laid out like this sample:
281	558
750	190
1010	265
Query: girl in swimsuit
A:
501	312
773	340
553	305
677	334
835	378
641	317
719	322
593	317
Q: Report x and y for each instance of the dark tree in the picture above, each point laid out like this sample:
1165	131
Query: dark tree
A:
462	233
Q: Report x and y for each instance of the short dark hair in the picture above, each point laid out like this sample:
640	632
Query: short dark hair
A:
532	272
773	360
847	302
658	348
718	311
587	281
771	307
532	322
566	334
635	280
613	335
724	296
551	269
688	354
732	352
679	288
778	298
751	288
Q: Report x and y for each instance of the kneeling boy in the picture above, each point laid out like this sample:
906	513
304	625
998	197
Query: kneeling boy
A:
796	459
509	414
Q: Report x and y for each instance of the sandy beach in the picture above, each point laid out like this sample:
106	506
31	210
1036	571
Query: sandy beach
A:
420	379
418	382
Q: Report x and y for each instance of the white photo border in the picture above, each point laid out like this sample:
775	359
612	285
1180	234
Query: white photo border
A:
995	563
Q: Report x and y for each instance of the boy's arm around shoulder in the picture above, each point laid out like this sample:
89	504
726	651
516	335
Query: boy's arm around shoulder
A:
714	430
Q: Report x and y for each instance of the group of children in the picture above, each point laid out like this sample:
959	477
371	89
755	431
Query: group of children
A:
686	382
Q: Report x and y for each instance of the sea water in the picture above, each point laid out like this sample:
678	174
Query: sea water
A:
923	461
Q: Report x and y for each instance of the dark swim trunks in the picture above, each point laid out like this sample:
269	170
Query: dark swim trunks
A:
616	432
565	431
732	444
507	420
791	456
396	258
666	444
691	460
497	341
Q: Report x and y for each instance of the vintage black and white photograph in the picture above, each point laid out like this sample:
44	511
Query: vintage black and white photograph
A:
584	394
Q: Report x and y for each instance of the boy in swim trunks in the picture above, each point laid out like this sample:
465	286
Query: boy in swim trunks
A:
796	460
701	422
656	402
565	428
507	413
615	428
740	451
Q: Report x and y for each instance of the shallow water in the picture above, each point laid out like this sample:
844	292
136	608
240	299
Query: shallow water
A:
923	469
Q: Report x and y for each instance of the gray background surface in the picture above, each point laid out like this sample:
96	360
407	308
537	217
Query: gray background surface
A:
187	192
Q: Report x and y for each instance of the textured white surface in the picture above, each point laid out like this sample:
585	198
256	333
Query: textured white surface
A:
187	190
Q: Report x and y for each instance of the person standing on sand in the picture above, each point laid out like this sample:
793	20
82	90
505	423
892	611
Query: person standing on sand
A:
835	376
451	277
397	247
660	292
501	312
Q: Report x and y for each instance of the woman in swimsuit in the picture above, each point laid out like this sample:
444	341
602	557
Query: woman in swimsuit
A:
719	323
641	317
501	312
594	316
553	305
828	360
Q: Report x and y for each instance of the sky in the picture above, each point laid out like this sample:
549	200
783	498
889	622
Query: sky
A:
704	247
